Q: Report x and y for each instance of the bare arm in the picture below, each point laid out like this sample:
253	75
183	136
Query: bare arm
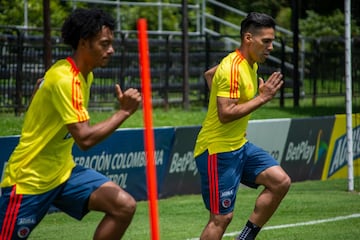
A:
229	109
209	74
37	86
87	136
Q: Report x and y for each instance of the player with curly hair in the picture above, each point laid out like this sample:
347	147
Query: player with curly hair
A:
41	171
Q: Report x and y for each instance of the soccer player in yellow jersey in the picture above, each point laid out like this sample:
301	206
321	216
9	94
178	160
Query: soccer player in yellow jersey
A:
41	171
223	155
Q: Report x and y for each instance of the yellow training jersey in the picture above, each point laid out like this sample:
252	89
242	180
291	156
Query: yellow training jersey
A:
43	158
236	79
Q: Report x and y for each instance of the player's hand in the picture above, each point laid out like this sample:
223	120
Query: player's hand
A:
268	89
129	100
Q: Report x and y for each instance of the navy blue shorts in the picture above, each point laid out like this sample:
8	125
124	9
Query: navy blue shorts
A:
222	173
20	213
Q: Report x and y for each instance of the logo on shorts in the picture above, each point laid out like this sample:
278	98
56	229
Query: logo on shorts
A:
23	232
226	203
26	221
227	193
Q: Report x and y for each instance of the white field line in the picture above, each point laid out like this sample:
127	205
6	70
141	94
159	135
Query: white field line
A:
339	218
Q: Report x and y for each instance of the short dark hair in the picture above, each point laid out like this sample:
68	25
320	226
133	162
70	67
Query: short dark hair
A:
255	21
84	24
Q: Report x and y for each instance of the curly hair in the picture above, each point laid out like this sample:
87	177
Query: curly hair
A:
255	21
84	24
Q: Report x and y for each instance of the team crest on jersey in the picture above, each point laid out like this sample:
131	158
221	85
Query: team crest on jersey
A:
67	136
23	232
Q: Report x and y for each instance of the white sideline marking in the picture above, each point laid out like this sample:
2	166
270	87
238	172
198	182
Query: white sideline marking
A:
355	215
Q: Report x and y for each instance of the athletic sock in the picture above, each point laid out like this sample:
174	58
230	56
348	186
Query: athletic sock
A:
249	232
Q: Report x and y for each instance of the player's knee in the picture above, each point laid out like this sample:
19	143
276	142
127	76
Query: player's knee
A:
284	185
131	206
222	220
228	217
126	207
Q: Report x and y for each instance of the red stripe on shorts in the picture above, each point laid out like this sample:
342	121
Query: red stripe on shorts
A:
213	183
11	215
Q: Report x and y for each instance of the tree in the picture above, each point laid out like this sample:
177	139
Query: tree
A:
12	13
316	25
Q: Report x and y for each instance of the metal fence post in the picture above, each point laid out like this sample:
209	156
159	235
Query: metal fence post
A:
19	76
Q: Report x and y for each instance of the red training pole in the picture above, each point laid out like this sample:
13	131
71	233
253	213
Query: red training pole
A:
148	131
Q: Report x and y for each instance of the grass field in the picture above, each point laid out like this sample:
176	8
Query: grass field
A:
316	210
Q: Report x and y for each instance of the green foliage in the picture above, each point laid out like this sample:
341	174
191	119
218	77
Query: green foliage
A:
171	17
283	18
12	13
316	25
271	7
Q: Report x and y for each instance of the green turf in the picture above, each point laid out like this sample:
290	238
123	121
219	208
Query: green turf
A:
183	217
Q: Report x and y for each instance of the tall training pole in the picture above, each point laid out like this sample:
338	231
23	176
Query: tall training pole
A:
47	34
185	55
348	77
295	55
148	128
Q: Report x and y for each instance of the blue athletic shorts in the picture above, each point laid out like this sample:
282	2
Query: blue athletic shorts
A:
20	213
222	173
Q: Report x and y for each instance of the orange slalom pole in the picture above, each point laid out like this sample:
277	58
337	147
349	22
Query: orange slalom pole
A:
148	131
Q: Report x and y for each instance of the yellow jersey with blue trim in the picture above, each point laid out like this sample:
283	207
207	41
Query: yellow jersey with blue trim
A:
236	79
43	160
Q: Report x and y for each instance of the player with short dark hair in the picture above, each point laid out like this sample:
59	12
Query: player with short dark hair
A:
223	155
41	171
